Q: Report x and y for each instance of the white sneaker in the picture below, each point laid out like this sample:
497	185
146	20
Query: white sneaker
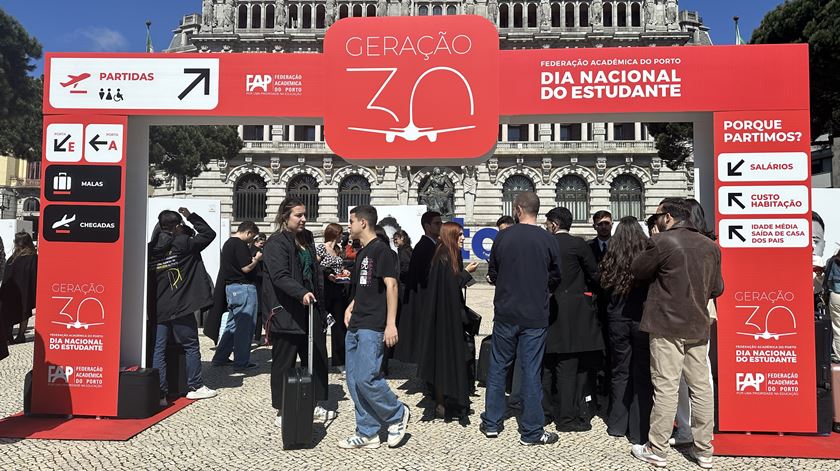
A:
704	462
278	421
356	441
396	431
323	415
644	453
202	393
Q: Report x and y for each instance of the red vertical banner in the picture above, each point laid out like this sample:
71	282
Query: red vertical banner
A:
766	356
80	266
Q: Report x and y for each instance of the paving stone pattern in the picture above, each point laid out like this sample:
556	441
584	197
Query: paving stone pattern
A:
236	431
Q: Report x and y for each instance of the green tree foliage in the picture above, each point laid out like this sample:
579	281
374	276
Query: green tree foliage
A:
186	150
20	94
816	22
674	142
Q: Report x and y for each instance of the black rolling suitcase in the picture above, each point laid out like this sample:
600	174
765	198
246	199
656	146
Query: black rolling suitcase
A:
299	399
822	341
483	360
138	393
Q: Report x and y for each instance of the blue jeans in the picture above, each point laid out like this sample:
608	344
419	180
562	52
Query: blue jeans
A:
185	331
376	405
242	320
529	346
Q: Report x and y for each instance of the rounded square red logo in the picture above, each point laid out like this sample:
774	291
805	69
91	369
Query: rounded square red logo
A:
412	88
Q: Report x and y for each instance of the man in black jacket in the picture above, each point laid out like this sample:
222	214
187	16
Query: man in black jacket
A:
182	287
574	340
416	281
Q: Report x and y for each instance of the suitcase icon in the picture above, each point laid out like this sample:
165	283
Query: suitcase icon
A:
62	182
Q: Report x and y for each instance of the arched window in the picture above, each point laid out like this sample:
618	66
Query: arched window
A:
320	16
424	10
305	187
626	197
517	15
584	14
269	16
608	11
371	10
622	15
242	17
451	10
504	20
256	17
573	193
556	16
353	191
532	15
635	15
357	10
343	11
292	21
511	187
570	15
31	205
249	198
437	10
306	13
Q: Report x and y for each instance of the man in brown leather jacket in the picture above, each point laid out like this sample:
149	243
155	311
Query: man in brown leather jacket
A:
683	267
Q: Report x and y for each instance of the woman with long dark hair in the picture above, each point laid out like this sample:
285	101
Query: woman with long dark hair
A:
17	293
448	344
292	281
332	265
631	391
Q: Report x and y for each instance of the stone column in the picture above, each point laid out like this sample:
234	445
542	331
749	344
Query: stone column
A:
610	131
504	133
531	133
312	24
557	132
599	131
241	131
277	132
291	133
266	133
318	132
584	131
637	132
545	132
577	15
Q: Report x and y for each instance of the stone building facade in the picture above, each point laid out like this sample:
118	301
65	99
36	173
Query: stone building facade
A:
584	166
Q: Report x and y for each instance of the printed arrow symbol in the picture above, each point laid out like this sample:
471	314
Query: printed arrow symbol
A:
733	197
733	230
95	144
59	146
733	171
203	74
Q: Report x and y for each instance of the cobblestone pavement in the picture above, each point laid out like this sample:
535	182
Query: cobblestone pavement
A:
236	431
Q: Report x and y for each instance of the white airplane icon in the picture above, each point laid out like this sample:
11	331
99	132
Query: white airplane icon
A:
77	324
766	335
411	132
64	221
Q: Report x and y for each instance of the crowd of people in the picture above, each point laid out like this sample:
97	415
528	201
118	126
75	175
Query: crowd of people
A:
610	327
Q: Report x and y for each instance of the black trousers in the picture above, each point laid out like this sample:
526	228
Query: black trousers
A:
568	378
336	303
285	349
631	391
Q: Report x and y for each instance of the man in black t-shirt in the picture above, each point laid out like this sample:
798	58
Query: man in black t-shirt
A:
371	325
238	273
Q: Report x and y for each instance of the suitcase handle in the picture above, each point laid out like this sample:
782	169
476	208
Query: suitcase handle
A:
309	337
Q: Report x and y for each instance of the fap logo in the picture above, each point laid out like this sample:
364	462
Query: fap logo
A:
412	88
56	373
254	82
748	380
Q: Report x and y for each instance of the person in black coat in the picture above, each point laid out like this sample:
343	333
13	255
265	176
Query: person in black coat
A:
574	333
447	327
631	391
182	287
17	294
602	223
292	281
417	278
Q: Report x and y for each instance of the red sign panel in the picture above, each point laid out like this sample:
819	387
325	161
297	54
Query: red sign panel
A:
766	355
653	79
412	87
80	269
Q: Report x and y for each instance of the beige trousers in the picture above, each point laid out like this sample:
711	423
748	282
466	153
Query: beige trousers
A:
671	358
834	313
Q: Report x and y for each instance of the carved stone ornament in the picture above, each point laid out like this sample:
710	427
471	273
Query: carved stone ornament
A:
493	169
276	169
655	167
328	169
600	168
380	174
223	170
546	169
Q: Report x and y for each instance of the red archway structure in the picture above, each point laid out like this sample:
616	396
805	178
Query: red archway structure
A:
749	106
